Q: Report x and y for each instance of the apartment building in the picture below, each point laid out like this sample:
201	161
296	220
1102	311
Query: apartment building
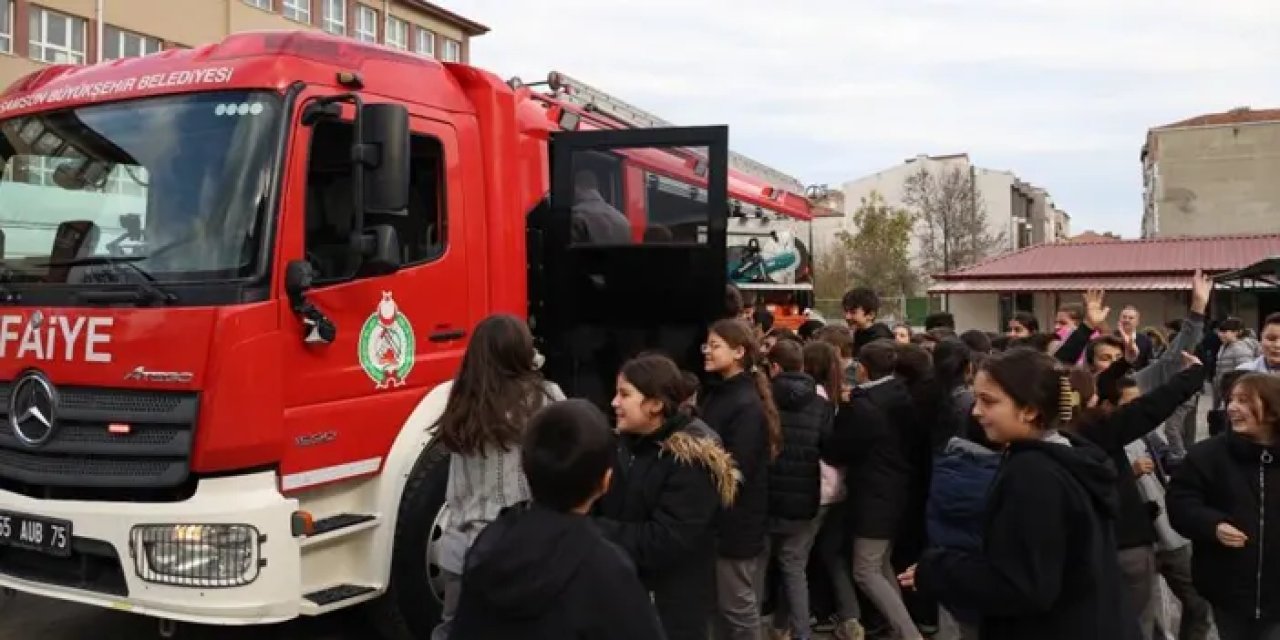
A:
34	33
1017	211
1213	174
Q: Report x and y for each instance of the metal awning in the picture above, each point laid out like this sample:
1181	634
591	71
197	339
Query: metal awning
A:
1264	274
1163	282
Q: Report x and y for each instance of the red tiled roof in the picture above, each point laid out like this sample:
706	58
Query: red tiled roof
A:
1234	116
1162	256
1107	283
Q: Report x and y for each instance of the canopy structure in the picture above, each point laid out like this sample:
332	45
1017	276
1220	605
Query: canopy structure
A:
1264	274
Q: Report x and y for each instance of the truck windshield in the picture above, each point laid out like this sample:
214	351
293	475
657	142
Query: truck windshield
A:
175	187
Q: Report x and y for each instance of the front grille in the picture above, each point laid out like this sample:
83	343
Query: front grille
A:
93	565
83	454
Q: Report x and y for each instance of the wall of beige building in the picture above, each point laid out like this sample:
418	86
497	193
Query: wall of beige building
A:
188	23
1215	180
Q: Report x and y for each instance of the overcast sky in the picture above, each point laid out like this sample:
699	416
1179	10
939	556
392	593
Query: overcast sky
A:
1061	92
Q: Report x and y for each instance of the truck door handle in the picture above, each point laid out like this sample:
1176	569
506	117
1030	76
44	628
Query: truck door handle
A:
447	335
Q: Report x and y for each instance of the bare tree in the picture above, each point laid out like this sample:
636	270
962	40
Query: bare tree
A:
952	219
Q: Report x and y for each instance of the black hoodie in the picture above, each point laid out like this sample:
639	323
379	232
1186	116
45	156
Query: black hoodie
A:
1048	568
876	473
536	573
794	477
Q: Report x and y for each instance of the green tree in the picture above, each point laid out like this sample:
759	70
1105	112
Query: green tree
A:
874	254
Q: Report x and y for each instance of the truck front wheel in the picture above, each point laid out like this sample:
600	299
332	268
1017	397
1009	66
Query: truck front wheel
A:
410	609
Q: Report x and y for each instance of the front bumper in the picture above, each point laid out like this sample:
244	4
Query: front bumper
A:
102	572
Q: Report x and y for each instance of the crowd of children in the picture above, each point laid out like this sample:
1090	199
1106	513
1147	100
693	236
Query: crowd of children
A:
892	483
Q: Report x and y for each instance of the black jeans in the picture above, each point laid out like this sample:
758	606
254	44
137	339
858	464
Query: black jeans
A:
1237	627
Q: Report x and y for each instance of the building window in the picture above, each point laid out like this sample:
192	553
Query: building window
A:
265	5
118	43
426	45
335	17
366	24
452	51
6	26
299	10
56	37
397	33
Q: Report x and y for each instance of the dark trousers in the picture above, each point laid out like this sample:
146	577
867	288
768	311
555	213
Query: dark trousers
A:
1197	620
1237	627
686	599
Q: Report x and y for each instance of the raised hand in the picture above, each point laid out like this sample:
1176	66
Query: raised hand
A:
1201	289
1095	313
1189	360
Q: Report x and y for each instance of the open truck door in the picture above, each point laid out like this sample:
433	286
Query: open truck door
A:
597	301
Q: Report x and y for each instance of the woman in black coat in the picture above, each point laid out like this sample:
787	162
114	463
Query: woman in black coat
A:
1048	569
1225	498
670	480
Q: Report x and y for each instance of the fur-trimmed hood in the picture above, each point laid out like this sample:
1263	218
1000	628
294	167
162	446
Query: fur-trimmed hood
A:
696	443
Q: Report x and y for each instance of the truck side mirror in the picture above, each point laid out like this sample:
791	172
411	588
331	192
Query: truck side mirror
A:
298	276
384	134
318	329
380	249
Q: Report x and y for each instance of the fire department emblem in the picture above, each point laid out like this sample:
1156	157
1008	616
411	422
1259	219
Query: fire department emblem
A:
387	345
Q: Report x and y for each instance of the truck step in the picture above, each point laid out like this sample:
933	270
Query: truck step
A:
336	594
340	521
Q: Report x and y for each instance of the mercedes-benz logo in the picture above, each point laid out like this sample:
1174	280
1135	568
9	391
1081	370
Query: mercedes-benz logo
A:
32	402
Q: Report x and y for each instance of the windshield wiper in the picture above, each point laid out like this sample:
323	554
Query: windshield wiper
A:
147	286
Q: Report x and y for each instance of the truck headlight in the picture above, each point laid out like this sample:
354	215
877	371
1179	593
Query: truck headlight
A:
197	555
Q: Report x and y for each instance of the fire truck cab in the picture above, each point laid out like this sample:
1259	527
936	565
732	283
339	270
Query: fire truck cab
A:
235	282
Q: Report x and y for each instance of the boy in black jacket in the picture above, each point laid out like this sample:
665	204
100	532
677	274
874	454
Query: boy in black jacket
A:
794	483
543	570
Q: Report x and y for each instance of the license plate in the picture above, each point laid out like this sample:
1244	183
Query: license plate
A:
46	535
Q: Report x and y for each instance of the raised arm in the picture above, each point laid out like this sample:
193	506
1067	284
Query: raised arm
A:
1161	371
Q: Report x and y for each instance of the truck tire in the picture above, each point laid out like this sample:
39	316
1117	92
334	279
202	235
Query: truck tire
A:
410	609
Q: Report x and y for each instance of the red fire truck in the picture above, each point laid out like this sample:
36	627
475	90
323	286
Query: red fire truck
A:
236	281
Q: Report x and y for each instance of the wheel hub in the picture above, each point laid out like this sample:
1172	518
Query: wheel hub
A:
435	574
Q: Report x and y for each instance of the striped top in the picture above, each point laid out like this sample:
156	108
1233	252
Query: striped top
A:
479	488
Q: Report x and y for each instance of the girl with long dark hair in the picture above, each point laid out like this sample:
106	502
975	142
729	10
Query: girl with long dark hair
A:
1048	566
738	404
496	392
670	479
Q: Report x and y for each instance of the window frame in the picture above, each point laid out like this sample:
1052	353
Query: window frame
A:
335	26
444	54
41	13
121	36
259	4
418	40
441	201
296	10
402	27
6	28
363	10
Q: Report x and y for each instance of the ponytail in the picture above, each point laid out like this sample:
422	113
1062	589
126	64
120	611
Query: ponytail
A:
740	335
773	422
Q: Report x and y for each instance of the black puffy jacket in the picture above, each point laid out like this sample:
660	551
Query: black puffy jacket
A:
733	409
1228	478
794	478
876	473
661	508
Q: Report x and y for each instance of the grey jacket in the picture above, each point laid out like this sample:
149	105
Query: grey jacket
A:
595	221
1235	356
480	487
1161	371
